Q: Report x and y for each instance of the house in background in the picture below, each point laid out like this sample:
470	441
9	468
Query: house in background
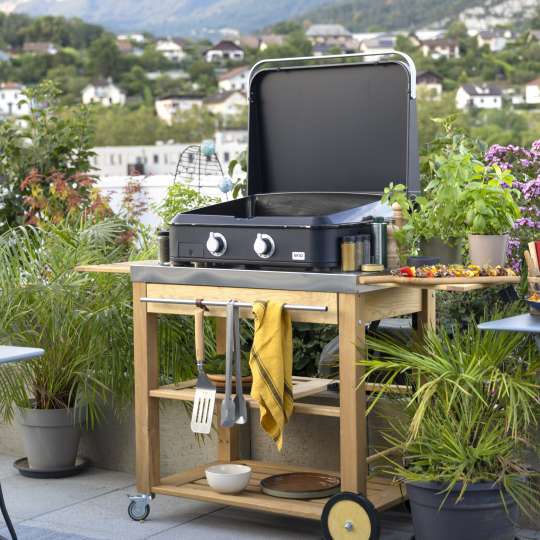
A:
378	43
429	84
167	107
226	103
134	38
234	79
485	96
125	46
532	92
440	48
496	39
171	49
10	96
104	92
268	40
330	34
223	51
39	47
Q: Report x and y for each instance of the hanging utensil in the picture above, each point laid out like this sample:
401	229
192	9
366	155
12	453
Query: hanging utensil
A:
239	400
228	407
205	391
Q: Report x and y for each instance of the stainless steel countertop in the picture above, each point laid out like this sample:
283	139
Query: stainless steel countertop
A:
252	279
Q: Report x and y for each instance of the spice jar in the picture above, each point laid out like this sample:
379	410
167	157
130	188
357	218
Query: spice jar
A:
163	246
348	254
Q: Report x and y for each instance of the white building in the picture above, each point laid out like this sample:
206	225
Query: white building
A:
486	96
10	95
378	43
532	92
225	50
169	106
171	49
104	92
134	37
440	48
496	40
156	165
226	103
234	79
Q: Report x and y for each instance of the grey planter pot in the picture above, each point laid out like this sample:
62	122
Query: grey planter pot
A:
448	254
488	249
480	515
50	437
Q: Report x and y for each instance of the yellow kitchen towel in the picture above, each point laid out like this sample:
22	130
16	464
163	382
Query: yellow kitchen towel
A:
271	362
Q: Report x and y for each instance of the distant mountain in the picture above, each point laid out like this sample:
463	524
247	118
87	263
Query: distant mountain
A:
178	17
203	17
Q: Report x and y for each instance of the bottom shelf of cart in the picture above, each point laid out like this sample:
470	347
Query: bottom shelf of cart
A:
382	492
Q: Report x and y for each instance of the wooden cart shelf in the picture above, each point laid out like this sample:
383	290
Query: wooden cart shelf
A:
192	484
302	387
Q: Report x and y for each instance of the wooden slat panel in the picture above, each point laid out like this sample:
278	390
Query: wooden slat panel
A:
386	303
382	492
244	295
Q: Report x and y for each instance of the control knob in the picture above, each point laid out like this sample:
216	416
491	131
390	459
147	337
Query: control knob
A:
216	244
264	246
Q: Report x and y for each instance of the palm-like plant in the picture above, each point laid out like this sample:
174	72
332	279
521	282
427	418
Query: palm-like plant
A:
81	321
473	403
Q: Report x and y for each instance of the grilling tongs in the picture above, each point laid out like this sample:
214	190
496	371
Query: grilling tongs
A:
233	411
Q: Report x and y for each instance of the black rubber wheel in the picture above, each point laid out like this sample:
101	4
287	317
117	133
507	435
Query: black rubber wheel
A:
135	514
350	516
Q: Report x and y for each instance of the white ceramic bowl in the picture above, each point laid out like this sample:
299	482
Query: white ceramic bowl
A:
228	477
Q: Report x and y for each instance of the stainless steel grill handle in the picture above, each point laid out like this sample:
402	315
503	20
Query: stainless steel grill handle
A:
405	57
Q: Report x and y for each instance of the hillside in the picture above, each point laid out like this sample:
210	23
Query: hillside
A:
363	15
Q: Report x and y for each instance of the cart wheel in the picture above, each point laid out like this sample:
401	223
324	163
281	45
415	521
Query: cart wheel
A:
349	516
138	511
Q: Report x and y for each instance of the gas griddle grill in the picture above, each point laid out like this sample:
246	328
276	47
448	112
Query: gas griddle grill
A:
324	142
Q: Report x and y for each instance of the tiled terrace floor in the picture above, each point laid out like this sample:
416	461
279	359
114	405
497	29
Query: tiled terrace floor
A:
94	506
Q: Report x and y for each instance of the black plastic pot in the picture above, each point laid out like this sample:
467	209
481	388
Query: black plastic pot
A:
480	515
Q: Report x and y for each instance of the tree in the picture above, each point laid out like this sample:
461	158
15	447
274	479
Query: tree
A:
45	162
104	57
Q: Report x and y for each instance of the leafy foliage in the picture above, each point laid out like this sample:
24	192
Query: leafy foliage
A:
181	198
80	320
473	403
45	162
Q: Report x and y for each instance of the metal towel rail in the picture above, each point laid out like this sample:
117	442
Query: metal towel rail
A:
223	303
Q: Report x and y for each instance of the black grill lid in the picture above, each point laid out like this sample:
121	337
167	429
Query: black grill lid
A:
343	128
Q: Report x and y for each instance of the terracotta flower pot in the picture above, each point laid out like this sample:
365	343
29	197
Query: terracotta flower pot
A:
488	249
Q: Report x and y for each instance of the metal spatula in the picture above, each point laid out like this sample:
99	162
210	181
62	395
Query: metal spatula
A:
205	391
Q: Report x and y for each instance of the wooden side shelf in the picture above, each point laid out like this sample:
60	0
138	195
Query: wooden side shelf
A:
302	387
192	484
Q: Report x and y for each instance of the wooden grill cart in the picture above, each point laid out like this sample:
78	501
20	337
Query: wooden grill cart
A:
339	299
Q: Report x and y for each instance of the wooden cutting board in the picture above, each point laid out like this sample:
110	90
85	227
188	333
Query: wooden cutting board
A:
398	280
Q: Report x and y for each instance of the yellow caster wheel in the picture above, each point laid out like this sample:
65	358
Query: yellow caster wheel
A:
349	516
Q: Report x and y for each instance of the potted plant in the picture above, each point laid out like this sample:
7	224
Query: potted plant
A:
473	403
491	209
79	324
